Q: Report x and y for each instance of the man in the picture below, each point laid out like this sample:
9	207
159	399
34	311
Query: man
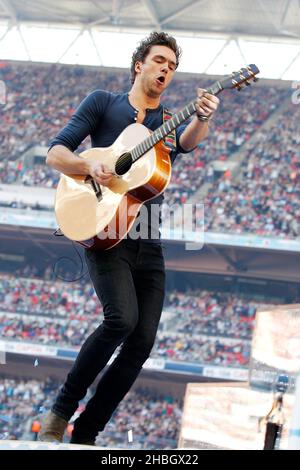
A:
129	279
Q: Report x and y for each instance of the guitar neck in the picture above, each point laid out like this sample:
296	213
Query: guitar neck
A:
177	119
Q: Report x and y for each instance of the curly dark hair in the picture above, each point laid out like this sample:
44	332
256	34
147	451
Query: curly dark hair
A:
154	39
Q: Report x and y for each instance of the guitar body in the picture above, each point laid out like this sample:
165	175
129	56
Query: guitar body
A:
101	222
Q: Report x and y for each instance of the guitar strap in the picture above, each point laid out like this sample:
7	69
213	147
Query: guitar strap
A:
170	139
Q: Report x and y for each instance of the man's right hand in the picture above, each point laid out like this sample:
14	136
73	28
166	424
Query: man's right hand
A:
100	173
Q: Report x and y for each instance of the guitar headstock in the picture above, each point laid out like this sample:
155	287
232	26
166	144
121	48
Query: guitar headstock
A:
243	77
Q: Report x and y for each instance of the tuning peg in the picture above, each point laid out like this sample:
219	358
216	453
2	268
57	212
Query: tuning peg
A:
255	79
247	83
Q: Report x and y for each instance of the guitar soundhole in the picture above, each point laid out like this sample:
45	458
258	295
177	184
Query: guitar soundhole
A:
123	164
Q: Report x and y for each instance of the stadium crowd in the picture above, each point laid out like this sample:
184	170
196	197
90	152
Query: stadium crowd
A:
265	199
57	313
31	117
20	401
153	419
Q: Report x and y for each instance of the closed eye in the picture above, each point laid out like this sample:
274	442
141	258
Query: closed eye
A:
160	59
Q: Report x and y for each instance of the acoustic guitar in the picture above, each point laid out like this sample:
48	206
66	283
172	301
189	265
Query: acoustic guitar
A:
99	217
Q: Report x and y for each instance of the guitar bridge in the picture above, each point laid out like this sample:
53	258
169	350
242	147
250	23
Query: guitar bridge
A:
96	187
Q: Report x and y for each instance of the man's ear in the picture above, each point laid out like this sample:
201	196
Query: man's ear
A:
138	66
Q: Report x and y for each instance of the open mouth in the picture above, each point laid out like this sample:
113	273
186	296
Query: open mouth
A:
161	79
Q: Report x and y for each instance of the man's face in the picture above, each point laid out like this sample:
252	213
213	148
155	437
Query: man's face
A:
157	70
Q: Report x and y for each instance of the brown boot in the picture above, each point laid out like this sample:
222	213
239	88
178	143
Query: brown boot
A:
53	428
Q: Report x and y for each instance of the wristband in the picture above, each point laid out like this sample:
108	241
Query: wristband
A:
203	118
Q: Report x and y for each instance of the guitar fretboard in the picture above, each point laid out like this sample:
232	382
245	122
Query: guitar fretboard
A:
161	132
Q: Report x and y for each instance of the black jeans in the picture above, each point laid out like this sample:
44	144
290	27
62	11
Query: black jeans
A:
129	280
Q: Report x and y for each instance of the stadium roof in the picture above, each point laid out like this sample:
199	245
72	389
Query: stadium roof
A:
276	18
217	36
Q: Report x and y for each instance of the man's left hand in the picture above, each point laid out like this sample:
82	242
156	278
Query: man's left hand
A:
206	104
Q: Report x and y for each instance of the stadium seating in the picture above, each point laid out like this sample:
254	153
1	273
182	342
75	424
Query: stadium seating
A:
264	201
57	313
23	402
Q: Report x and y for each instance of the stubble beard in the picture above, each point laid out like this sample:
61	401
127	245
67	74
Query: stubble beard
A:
151	91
